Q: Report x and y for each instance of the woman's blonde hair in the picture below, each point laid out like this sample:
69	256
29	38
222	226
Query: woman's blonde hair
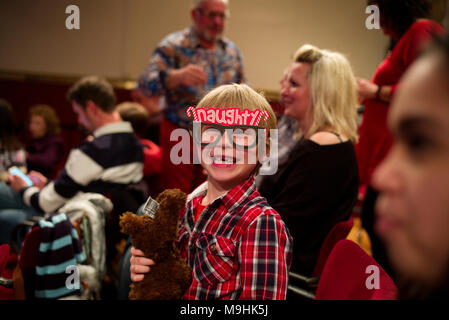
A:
333	91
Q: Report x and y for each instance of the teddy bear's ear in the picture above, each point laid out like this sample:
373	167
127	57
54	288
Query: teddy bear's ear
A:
150	208
126	222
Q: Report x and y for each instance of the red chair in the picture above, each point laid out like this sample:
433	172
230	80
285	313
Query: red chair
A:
337	233
351	274
8	262
303	287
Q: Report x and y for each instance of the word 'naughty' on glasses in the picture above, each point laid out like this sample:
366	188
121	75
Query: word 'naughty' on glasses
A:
228	116
239	136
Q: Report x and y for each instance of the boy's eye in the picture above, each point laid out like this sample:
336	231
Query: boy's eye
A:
244	137
210	135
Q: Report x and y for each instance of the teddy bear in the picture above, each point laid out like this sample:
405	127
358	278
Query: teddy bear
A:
155	234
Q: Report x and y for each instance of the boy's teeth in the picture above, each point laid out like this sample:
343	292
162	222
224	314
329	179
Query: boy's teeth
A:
224	161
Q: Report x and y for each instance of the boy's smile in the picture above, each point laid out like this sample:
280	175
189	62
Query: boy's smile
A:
224	161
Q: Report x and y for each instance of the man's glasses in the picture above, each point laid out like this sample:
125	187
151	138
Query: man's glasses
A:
240	136
213	14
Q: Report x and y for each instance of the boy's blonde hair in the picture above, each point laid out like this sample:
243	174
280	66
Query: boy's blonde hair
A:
333	91
242	97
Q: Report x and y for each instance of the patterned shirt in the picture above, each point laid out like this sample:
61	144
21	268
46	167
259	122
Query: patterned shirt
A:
223	65
238	249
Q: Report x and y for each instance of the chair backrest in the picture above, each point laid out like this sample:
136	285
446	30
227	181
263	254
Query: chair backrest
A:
351	274
337	233
360	236
6	274
8	266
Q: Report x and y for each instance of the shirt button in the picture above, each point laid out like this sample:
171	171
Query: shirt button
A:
191	246
213	247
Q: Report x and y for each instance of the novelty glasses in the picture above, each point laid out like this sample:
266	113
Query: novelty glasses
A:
240	136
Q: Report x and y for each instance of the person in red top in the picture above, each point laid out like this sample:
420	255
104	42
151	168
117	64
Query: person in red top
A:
375	138
237	246
403	21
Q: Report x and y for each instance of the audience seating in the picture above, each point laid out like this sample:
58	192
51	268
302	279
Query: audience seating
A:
346	276
304	287
337	233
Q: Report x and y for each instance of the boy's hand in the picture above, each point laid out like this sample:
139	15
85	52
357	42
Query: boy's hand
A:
139	265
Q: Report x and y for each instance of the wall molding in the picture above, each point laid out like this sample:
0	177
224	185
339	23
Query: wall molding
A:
127	84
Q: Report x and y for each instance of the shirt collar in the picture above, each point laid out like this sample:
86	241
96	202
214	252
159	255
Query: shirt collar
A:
115	127
233	198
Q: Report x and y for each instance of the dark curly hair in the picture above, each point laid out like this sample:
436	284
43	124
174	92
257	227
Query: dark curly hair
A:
401	14
49	115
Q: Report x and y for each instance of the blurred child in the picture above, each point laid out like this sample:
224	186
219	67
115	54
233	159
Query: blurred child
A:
138	116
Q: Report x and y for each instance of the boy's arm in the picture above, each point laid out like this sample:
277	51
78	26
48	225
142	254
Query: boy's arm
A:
265	258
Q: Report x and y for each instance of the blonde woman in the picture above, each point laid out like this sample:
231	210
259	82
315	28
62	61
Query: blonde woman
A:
317	186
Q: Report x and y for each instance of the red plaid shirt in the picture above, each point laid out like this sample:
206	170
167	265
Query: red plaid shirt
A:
238	249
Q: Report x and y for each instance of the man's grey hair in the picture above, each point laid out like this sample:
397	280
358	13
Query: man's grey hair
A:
197	3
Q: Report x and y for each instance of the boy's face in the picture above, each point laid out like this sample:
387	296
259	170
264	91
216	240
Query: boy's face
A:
228	153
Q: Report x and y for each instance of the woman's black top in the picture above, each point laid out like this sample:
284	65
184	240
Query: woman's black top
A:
315	189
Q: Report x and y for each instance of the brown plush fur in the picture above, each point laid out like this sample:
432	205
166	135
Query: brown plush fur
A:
170	277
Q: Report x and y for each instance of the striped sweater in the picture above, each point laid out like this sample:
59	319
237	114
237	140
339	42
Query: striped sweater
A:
110	162
59	251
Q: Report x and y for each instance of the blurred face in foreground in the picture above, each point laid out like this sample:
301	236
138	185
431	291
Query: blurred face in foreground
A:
413	208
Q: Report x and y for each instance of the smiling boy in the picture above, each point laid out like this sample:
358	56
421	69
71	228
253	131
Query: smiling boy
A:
236	245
